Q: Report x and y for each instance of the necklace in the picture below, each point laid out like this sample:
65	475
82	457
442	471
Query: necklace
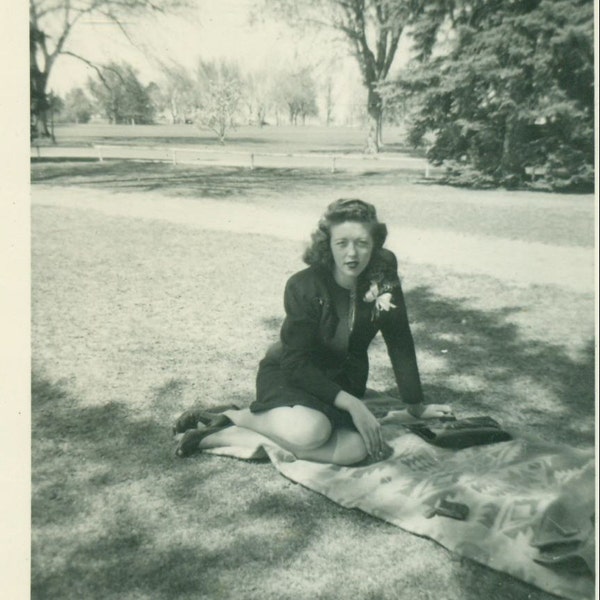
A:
352	309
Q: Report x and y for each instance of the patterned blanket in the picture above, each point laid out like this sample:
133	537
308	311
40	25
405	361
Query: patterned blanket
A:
531	504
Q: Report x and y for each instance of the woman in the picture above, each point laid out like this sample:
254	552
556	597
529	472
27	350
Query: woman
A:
310	383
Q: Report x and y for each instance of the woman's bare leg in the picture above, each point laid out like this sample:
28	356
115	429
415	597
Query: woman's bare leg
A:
344	447
234	436
295	428
303	431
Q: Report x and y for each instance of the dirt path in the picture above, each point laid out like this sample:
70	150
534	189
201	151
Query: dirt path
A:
515	261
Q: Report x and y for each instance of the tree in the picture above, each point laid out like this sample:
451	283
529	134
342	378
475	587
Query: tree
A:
121	96
296	92
371	27
55	106
177	89
78	107
325	73
329	100
258	96
51	23
219	92
514	93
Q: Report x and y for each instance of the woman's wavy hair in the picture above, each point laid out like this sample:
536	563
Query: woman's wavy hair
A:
340	211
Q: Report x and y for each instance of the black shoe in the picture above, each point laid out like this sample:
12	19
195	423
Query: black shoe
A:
190	418
191	439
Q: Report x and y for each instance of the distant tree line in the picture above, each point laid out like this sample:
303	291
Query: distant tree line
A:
216	96
500	92
51	24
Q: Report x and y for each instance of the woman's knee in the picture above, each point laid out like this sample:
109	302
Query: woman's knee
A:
304	428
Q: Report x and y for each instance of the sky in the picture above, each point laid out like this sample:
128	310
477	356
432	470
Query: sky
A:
214	28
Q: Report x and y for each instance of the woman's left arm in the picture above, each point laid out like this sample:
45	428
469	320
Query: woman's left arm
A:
401	349
398	338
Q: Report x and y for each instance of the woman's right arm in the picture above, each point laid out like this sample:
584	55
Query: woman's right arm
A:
365	422
300	339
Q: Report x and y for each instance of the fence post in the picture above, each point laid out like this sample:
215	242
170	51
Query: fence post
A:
252	161
427	170
173	156
333	164
99	153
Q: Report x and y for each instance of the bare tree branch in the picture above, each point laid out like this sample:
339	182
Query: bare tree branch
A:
89	64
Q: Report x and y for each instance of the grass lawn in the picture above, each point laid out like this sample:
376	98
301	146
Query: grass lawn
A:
283	138
134	320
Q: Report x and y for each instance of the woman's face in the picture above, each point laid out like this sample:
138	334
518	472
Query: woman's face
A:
351	246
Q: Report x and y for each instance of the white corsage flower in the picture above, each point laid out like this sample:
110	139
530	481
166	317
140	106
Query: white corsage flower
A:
384	302
382	299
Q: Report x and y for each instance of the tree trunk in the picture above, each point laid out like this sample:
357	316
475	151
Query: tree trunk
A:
41	123
39	102
52	126
375	111
510	165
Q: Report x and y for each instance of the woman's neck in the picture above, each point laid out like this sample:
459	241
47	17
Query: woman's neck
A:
348	283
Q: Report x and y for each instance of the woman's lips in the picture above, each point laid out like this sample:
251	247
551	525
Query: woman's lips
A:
352	264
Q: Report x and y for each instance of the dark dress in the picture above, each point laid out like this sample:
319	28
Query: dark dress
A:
324	340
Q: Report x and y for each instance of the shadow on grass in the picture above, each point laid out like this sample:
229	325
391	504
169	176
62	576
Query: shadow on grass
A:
193	181
531	386
58	160
101	465
125	562
83	456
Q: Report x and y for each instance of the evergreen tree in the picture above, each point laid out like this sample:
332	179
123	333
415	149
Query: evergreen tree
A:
514	93
121	96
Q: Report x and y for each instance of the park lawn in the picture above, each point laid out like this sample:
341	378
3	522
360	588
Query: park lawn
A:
555	219
133	321
276	138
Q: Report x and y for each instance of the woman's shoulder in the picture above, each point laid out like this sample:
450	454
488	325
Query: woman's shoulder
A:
310	278
388	258
307	291
383	265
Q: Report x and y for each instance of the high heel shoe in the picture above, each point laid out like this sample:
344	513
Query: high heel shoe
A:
190	418
191	439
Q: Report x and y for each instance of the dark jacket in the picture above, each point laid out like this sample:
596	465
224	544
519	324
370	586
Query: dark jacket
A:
316	359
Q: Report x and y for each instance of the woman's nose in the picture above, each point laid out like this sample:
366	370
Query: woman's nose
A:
351	249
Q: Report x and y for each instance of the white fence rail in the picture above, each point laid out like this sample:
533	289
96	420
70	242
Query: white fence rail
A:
334	162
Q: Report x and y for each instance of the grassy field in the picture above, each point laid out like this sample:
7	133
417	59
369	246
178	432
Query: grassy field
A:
133	320
267	139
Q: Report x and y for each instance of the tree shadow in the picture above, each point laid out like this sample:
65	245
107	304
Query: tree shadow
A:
176	180
197	181
272	324
532	386
125	560
105	466
83	455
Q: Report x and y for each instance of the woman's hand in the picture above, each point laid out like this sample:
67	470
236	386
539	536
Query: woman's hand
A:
367	425
429	411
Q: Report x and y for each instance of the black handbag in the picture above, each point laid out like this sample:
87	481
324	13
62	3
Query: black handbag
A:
461	433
